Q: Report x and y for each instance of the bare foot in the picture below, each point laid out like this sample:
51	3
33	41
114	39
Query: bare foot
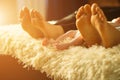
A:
49	30
83	23
37	27
39	23
27	25
110	35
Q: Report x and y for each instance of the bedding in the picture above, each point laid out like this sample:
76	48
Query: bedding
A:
75	63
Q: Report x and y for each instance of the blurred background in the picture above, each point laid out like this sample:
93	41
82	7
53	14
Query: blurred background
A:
52	9
9	9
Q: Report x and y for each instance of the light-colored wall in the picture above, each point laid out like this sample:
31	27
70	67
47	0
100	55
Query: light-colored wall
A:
9	9
8	12
39	5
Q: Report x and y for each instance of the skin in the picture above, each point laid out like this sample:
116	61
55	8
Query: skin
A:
93	28
84	25
33	23
27	25
108	35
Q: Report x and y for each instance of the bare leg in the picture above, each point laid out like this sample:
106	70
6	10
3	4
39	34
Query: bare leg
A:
110	35
83	23
33	23
27	25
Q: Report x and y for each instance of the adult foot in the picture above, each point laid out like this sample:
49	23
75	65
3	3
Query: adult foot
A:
27	25
49	30
39	23
110	35
83	23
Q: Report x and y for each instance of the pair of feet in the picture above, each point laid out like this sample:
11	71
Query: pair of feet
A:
33	23
93	25
90	21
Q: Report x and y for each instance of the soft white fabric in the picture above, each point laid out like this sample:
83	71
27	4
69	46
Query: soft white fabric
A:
75	63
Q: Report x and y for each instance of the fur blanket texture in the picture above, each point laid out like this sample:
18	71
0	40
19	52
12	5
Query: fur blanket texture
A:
75	63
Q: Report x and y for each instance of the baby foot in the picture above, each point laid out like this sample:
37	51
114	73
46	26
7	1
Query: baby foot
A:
83	23
116	22
109	35
27	25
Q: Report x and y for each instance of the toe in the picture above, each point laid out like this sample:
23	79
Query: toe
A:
93	9
26	13
101	13
32	14
38	15
80	12
34	19
25	16
22	12
26	9
87	9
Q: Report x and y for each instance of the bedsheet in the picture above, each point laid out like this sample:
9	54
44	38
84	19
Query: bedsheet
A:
75	63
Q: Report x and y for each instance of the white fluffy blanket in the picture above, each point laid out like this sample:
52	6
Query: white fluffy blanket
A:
75	63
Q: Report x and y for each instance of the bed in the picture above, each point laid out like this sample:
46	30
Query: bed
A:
75	63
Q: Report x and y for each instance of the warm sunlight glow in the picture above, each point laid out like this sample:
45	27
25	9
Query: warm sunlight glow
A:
2	18
8	12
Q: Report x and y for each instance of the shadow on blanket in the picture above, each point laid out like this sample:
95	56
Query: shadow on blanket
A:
10	69
75	63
